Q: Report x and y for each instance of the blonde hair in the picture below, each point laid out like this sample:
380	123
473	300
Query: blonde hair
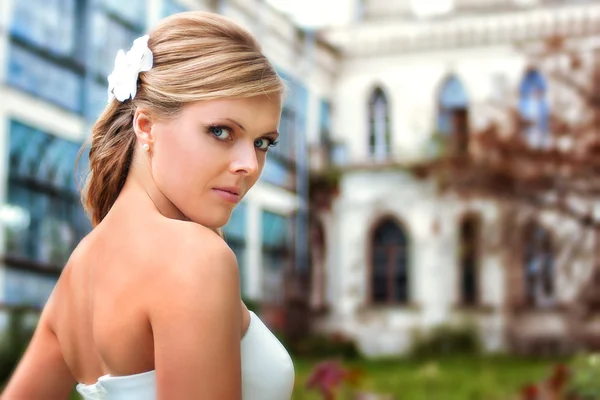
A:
197	56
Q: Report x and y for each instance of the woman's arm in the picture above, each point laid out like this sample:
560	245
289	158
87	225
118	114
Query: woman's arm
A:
42	372
196	322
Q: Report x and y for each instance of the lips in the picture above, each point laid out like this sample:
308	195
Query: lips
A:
229	189
231	194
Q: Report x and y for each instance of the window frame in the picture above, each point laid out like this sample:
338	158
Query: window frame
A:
379	143
406	254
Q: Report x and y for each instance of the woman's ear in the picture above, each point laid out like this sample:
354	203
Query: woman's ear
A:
142	126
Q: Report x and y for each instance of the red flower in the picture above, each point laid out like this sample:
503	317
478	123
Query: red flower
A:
326	377
530	392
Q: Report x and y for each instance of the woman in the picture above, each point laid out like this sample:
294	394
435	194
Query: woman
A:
149	305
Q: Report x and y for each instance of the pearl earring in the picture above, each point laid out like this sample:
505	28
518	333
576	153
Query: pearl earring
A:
146	147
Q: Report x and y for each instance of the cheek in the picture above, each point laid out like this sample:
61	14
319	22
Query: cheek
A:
175	167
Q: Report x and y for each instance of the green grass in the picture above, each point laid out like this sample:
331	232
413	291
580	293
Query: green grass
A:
450	378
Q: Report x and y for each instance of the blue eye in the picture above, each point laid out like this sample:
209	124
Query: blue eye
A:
221	132
264	143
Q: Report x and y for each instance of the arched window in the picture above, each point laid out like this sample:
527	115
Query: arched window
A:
389	259
453	115
317	270
469	261
379	126
538	264
534	110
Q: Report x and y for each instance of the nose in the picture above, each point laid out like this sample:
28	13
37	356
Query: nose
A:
244	160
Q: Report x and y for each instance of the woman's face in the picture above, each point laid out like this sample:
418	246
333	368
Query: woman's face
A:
207	158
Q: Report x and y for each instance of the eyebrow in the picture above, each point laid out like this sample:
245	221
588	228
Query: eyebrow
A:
244	129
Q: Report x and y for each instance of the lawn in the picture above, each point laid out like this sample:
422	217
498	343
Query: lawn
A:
450	378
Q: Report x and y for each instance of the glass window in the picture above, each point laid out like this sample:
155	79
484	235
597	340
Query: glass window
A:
453	117
34	74
43	217
274	267
23	287
96	99
538	263
239	248
49	24
389	260
277	173
379	126
236	227
133	11
325	122
469	240
235	235
275	230
534	109
286	147
108	36
275	255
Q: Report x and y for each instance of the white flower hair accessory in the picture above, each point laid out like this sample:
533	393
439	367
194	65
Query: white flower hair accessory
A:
122	82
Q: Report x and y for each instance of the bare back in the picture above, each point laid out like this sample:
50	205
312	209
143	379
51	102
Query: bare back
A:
99	317
100	313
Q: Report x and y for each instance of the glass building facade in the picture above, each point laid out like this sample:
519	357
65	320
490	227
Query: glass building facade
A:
58	54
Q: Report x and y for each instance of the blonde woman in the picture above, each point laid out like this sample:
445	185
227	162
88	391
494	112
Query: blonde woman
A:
148	306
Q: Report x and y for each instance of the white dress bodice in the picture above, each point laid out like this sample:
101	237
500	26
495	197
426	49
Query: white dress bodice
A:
267	372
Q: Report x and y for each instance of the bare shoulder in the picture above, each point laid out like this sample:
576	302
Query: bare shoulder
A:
195	266
196	317
193	249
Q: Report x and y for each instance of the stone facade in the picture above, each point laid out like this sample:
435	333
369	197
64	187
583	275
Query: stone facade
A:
472	56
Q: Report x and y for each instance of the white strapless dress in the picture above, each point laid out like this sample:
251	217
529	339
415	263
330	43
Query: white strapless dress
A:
267	372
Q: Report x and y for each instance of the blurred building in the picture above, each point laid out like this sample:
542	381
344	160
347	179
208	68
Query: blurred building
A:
387	253
390	254
55	58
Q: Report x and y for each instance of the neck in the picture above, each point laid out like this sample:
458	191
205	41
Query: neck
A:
140	184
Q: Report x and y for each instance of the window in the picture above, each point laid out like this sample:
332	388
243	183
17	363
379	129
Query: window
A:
95	99
286	148
379	126
132	12
538	264
389	261
278	173
534	110
112	27
48	24
43	51
53	82
235	236
317	263
43	217
57	45
468	260
453	116
279	166
325	123
108	36
27	288
275	255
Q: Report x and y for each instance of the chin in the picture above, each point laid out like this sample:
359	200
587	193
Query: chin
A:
216	220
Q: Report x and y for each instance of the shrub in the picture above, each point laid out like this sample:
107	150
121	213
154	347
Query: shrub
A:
14	341
585	372
446	340
324	346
